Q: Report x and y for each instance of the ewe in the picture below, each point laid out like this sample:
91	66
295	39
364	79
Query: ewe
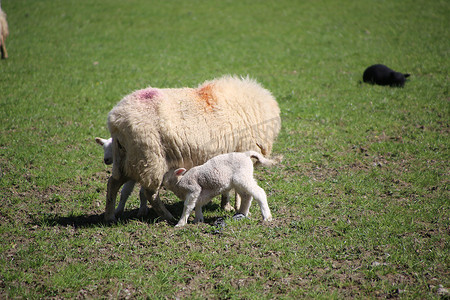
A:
219	175
3	33
155	130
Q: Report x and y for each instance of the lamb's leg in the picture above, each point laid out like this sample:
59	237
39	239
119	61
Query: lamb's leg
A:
189	205
237	203
143	209
260	196
157	205
250	187
225	202
201	201
111	194
124	194
199	214
245	203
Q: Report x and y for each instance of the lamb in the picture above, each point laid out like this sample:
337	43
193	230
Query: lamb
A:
129	185
218	175
382	75
4	32
154	130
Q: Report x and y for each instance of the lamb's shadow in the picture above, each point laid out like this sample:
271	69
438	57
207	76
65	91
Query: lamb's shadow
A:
83	221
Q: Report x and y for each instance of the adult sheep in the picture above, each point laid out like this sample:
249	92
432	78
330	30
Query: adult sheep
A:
4	32
154	130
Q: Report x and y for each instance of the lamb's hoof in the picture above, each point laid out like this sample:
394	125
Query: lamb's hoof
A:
268	219
228	207
239	217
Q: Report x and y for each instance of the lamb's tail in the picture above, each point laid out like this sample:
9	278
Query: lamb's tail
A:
260	159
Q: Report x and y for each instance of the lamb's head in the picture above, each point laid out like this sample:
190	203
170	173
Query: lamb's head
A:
172	178
107	149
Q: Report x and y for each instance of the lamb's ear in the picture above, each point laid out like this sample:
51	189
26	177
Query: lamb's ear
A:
406	75
100	141
179	172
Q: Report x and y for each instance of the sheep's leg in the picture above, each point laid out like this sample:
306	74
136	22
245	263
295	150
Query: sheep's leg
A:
189	205
124	194
143	209
157	205
111	195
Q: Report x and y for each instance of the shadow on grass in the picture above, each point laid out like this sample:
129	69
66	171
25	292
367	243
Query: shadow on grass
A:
97	220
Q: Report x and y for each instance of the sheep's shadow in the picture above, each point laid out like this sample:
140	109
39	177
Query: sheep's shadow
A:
97	220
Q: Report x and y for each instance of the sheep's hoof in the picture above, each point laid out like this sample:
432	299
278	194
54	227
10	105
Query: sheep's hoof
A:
168	217
110	220
142	212
199	220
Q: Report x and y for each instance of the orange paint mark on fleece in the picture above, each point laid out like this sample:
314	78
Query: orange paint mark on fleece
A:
206	96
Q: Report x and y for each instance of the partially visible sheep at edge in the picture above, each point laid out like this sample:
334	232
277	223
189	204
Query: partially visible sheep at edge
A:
155	130
129	185
4	32
218	175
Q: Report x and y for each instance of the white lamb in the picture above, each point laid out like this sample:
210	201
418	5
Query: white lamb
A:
155	130
129	185
4	32
219	175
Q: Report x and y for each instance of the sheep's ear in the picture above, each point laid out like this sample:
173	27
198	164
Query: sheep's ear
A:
100	141
406	75
179	172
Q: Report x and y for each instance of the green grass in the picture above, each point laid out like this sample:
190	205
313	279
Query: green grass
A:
360	201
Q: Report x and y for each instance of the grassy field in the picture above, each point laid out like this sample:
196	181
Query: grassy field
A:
360	202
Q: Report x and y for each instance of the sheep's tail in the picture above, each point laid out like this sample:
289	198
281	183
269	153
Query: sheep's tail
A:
261	160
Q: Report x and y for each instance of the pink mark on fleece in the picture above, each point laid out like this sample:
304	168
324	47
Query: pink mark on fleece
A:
147	94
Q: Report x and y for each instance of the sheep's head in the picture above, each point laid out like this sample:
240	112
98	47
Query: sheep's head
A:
107	149
398	79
